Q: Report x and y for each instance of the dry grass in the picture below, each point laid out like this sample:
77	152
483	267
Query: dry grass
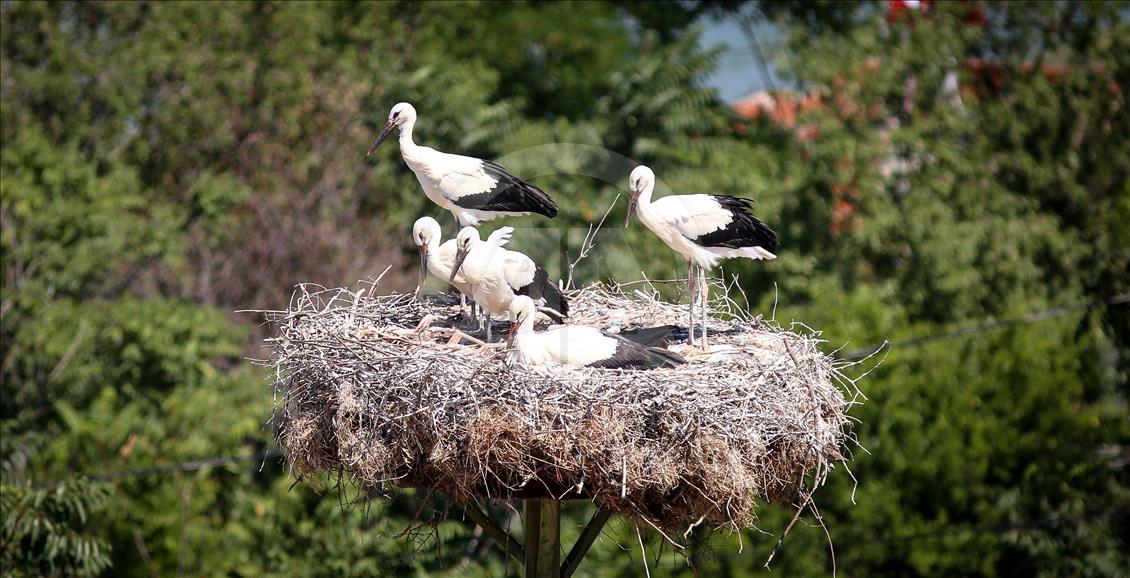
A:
364	387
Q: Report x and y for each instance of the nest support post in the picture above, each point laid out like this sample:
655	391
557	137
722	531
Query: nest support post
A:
541	552
541	519
358	383
541	522
510	545
588	536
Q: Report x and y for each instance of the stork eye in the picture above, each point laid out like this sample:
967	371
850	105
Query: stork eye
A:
395	115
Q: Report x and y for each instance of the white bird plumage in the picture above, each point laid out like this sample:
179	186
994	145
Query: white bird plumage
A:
702	228
578	345
474	190
437	256
498	275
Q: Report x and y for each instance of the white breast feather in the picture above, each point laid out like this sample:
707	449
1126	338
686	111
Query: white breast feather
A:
484	271
441	259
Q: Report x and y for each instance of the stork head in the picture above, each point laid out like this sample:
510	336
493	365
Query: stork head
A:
464	242
426	233
641	181
400	115
521	315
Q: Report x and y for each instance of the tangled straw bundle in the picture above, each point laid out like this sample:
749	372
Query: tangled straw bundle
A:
383	388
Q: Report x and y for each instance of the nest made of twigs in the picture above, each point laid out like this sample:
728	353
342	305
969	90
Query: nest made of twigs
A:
384	388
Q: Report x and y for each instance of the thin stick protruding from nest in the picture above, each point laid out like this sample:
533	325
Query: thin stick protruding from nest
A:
761	418
589	242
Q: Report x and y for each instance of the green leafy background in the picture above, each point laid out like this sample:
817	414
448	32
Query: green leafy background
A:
166	164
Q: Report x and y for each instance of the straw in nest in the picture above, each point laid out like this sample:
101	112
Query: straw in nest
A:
383	387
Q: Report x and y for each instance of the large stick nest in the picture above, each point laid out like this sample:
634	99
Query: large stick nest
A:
374	386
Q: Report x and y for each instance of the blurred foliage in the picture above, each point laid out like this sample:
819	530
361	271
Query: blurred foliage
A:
164	164
45	532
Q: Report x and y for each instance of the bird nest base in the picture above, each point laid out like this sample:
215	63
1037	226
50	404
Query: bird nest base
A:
386	389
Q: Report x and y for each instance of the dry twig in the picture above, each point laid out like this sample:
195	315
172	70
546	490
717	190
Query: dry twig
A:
759	418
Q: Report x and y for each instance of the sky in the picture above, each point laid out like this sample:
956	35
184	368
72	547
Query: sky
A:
740	71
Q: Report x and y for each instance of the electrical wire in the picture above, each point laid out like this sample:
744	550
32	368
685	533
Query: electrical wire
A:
990	326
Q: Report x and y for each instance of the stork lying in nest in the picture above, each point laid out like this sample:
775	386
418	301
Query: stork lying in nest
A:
387	389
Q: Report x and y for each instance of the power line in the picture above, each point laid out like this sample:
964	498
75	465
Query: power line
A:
905	344
991	325
265	455
190	466
857	541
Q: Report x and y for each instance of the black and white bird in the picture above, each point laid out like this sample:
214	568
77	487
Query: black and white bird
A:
579	345
703	229
657	336
438	256
498	275
474	190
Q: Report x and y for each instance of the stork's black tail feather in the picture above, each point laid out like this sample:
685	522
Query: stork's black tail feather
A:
539	201
744	230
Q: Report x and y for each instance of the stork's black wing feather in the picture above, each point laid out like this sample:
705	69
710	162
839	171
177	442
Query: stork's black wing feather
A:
509	195
542	288
745	230
631	355
649	336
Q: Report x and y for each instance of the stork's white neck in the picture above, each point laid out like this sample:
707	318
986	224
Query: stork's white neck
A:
645	195
406	141
527	325
643	205
475	264
414	154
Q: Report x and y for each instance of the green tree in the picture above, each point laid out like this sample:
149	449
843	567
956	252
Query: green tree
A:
165	164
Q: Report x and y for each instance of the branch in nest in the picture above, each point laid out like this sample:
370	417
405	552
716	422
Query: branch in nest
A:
674	448
589	242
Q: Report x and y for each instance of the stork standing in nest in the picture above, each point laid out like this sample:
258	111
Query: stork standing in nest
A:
704	229
499	275
438	256
474	190
579	345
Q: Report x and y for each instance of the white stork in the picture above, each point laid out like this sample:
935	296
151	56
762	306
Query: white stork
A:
579	345
499	275
703	229
437	255
474	190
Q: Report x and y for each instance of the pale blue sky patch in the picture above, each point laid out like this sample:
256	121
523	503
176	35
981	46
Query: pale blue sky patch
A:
742	69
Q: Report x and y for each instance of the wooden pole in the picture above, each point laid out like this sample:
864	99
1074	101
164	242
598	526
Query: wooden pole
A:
541	521
581	546
508	544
